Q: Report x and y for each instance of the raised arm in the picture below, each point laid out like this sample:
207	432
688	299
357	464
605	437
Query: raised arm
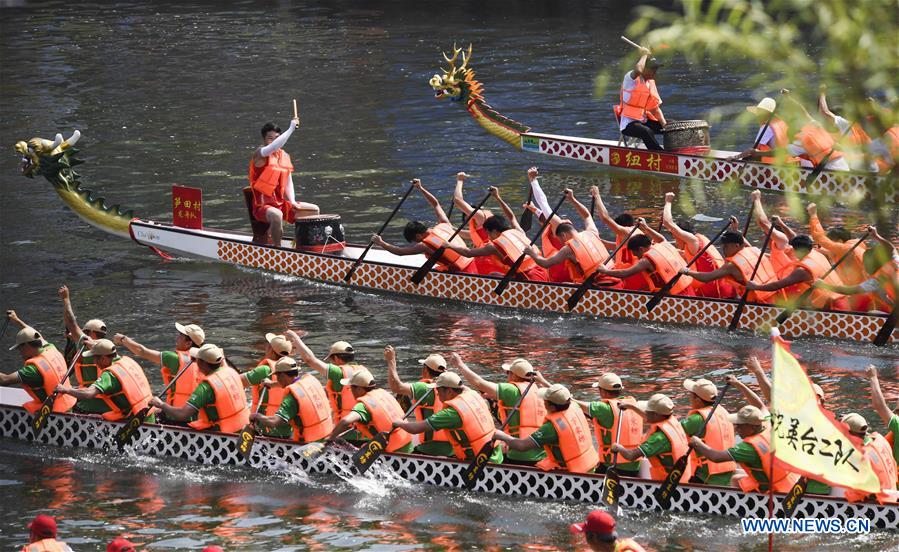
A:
486	387
880	239
137	349
877	400
678	232
507	211
582	211
464	207
68	315
653	235
13	317
277	143
761	218
306	354
397	386
429	197
604	214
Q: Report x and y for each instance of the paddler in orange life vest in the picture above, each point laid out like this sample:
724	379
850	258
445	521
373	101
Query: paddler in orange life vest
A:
375	412
42	372
264	390
218	402
271	179
889	417
689	243
303	413
781	254
753	453
853	137
813	144
506	242
881	262
86	371
834	243
879	453
605	413
775	139
122	384
565	435
433	443
476	232
719	432
621	225
639	111
658	263
664	443
532	412
599	532
428	240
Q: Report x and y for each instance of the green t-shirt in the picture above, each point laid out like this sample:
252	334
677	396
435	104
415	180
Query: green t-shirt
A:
170	361
365	419
448	418
89	374
655	445
428	445
509	394
744	454
601	412
255	377
108	384
691	425
258	374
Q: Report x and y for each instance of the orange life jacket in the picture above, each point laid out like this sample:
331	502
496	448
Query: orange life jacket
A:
423	412
660	465
273	177
816	264
631	430
134	387
628	545
479	238
550	245
342	401
229	411
879	452
719	435
531	413
817	143
589	253
890	139
177	396
313	412
273	395
643	97
510	245
857	135
783	480
745	260
52	366
477	424
46	545
437	237
888	276
384	410
575	451
667	261
781	138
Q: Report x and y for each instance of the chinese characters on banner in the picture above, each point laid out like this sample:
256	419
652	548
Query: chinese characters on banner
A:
187	207
643	160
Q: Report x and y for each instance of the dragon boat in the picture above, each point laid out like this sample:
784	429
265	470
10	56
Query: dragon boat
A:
458	84
385	272
206	447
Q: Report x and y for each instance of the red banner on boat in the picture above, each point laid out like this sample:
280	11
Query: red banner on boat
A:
187	207
643	160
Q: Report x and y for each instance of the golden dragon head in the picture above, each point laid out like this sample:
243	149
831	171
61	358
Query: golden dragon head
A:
457	82
32	151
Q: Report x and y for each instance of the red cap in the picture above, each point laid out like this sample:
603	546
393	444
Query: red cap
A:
43	526
598	521
213	548
120	544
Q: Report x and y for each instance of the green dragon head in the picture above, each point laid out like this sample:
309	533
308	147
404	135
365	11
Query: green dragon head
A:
457	83
47	158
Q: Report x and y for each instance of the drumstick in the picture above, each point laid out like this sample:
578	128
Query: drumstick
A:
631	42
296	114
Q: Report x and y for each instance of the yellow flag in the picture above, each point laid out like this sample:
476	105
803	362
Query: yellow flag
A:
807	438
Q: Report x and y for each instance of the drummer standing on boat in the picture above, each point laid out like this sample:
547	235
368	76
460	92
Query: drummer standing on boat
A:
639	111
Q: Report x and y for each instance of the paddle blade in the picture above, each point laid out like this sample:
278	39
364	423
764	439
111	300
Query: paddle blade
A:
40	419
420	274
368	453
527	220
245	441
666	289
794	497
611	488
735	321
504	283
126	433
886	331
665	492
474	470
579	293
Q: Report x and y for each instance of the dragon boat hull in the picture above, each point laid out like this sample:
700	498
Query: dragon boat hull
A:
382	271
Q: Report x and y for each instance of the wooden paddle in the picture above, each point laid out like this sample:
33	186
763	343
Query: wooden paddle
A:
248	434
669	485
578	294
787	312
504	283
349	274
611	485
39	419
662	293
370	451
735	321
126	433
886	331
748	219
794	497
423	271
527	217
311	451
474	470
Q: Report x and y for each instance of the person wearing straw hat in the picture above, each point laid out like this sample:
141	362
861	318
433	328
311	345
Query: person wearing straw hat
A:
43	368
531	413
879	452
375	412
719	432
889	417
433	443
605	413
304	413
753	453
565	435
465	416
599	532
42	536
776	136
86	371
664	443
263	388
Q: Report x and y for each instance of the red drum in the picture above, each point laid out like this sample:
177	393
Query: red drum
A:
319	234
687	137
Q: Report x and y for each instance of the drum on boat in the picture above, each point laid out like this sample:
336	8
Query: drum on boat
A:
319	234
687	137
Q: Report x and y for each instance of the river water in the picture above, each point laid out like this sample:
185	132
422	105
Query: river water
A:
175	92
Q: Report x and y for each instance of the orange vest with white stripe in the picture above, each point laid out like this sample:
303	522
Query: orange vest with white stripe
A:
273	177
177	396
781	138
342	401
816	264
46	545
643	97
719	435
423	412
783	480
879	453
384	410
313	410
510	245
52	367
667	261
531	413
888	276
575	451
631	430
273	395
660	465
817	143
589	253
477	424
230	404
133	385
745	260
437	237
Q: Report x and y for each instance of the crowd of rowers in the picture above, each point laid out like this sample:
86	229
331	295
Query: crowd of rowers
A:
550	429
829	139
866	280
